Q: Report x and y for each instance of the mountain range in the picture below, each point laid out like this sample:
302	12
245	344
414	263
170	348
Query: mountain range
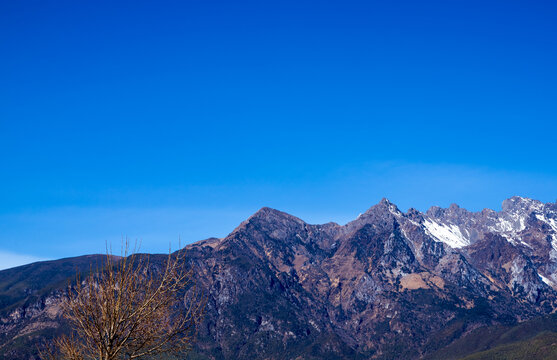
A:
387	285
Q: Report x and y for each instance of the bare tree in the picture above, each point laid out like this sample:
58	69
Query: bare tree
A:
130	310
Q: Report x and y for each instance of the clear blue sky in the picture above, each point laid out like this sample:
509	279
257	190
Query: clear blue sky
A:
160	119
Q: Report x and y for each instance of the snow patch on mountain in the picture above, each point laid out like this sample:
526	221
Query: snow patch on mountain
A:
503	225
546	280
553	225
447	233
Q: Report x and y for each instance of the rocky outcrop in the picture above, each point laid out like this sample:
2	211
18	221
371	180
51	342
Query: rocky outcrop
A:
386	285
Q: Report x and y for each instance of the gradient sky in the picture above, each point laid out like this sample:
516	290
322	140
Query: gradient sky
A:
164	119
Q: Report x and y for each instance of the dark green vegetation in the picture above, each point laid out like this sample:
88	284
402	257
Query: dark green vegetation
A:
532	339
30	282
542	347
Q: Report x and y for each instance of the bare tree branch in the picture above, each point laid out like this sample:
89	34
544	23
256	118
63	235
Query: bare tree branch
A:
131	309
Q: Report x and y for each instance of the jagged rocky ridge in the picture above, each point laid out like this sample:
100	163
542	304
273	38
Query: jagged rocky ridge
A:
386	285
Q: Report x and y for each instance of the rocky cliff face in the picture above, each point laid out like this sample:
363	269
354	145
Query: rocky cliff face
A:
386	285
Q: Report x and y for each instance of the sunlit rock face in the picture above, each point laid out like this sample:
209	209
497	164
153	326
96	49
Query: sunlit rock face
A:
388	284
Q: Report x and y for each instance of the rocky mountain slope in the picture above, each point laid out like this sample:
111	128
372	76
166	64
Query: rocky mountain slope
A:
386	285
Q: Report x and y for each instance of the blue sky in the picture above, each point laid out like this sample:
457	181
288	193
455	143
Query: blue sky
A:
159	120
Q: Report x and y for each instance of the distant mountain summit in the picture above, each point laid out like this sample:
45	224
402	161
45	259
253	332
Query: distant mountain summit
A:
385	285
